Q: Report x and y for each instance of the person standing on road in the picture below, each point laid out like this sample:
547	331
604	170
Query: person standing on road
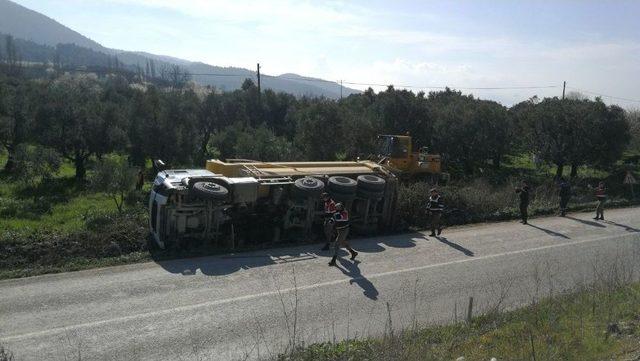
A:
140	180
601	196
435	208
565	194
523	192
328	226
340	221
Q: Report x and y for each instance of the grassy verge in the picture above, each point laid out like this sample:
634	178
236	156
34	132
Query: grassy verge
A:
593	324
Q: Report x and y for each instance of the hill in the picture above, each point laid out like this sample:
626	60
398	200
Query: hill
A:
30	25
39	39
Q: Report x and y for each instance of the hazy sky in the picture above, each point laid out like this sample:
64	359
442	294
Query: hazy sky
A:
593	45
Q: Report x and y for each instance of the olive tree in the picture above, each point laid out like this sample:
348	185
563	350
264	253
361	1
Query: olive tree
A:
115	177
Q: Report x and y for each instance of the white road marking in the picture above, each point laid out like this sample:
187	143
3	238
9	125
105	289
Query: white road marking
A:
52	331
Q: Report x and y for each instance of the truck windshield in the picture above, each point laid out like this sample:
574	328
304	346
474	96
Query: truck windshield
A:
393	147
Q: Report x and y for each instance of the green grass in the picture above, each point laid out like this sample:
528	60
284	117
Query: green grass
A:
569	327
525	163
64	217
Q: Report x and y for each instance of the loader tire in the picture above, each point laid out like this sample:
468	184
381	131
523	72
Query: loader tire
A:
309	187
342	185
210	191
371	183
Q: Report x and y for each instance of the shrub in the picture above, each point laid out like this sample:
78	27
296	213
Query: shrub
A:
476	201
115	177
36	163
5	355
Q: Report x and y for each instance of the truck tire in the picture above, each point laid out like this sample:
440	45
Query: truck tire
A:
371	183
309	186
210	191
342	185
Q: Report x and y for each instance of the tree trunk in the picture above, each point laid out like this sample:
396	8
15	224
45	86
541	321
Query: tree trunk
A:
10	165
203	145
81	171
559	171
496	162
574	170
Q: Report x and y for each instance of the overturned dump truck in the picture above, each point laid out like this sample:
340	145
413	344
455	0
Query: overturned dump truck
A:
241	201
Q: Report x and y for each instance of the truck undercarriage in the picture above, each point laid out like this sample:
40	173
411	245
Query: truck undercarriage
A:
234	203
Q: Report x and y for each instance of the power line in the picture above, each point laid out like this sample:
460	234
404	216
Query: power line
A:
220	74
603	95
455	87
409	86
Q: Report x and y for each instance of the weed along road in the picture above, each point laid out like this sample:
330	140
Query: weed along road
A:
259	304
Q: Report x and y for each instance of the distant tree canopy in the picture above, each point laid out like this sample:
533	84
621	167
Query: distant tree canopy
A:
574	132
85	117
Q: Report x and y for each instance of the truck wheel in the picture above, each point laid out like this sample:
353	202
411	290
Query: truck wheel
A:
371	183
342	185
308	186
210	191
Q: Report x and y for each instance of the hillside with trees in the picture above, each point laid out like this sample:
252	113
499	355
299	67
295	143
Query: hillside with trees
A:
40	39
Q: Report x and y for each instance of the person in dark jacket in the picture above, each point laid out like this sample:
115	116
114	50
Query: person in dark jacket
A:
565	194
340	221
435	208
601	197
523	192
140	180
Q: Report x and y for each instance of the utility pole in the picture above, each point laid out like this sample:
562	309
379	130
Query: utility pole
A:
340	88
564	85
258	78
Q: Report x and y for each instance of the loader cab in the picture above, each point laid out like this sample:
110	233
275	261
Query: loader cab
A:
397	150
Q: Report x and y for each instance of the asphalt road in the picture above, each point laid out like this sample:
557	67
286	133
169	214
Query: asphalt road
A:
256	305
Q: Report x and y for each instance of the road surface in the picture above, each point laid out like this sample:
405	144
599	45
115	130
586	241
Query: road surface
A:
256	305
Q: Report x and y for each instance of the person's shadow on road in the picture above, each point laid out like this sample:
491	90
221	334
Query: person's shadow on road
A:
626	228
466	251
352	270
590	223
549	232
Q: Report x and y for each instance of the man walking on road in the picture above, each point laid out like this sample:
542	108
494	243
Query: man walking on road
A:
601	196
340	220
565	194
523	192
328	226
435	208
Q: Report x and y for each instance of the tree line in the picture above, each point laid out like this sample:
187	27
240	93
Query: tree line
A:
83	117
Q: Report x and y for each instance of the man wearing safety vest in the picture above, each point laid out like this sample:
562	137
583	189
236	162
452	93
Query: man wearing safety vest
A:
435	208
340	221
601	197
329	210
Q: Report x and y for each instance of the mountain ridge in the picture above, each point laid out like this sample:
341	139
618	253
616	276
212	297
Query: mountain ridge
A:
35	28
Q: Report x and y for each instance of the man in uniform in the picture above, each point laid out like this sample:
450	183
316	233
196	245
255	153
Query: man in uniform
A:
340	221
565	194
140	180
601	197
435	208
329	210
523	192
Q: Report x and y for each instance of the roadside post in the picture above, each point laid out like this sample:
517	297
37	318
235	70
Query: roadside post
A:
630	180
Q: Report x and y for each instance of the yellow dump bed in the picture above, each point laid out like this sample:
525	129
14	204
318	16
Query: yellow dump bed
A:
291	169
